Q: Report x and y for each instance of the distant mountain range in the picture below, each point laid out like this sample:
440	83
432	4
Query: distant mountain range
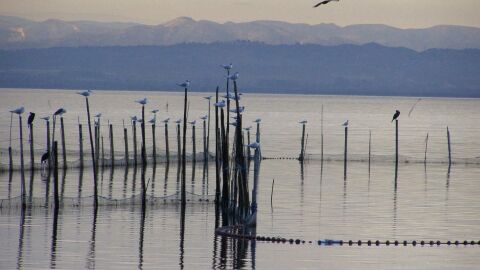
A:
18	33
369	69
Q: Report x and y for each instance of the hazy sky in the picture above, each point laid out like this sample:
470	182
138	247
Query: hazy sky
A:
399	13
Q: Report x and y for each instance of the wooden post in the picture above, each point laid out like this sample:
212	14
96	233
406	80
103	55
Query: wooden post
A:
321	137
225	163
97	144
369	149
208	130
64	150
449	148
345	152
167	149
205	154
248	143
179	145
183	195
80	143
32	149
302	144
125	139
22	163
93	153
134	126
396	143
194	148
10	159
103	155
112	147
154	141
49	146
55	175
217	153
426	148
144	149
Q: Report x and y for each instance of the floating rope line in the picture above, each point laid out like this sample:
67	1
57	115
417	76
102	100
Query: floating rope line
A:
240	232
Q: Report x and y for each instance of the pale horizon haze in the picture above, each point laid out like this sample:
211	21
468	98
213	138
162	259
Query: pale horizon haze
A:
397	13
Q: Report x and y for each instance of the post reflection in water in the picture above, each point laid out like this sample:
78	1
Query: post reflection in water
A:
125	182
80	184
20	239
194	165
140	239
110	182
53	249
91	251
154	173
165	185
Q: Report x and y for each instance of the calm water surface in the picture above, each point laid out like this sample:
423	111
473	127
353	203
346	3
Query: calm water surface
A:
312	202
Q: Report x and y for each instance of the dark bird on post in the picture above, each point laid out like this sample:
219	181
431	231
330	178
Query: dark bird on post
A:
45	157
30	118
396	115
324	3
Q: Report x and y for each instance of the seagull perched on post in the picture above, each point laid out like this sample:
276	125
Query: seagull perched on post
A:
46	118
193	122
18	110
240	110
258	120
396	115
254	145
155	111
208	98
85	93
325	2
185	84
141	101
60	111
303	122
178	122
134	118
227	67
345	124
30	118
204	117
248	128
98	115
234	76
220	104
152	121
166	120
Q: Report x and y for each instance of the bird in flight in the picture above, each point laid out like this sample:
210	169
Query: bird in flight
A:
324	2
396	115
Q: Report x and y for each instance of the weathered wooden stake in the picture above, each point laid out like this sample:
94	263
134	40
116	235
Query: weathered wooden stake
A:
55	175
217	153
225	162
154	142
321	137
10	159
345	152
32	149
302	145
49	162
144	147
449	147
23	187
183	195
125	140
80	143
194	148
208	132
369	149
426	149
103	154
396	143
64	150
179	145
167	149
112	147
205	154
134	126
93	153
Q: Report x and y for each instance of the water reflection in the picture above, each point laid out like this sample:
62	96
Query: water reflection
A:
53	249
92	242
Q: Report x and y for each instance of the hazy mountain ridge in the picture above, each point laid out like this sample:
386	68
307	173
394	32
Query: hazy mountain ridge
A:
369	69
18	33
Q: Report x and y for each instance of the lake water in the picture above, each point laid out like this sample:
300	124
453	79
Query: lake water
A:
312	202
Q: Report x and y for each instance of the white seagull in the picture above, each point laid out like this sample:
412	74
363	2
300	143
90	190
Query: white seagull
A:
204	117
258	120
141	101
178	121
85	93
240	110
166	120
303	122
220	104
134	118
152	121
46	118
254	145
155	111
208	98
193	122
234	76
98	115
345	124
18	110
227	67
248	128
185	84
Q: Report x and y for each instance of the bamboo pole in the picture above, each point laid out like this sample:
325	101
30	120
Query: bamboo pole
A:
125	140
112	147
80	144
154	144
93	153
167	149
32	149
64	150
449	148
